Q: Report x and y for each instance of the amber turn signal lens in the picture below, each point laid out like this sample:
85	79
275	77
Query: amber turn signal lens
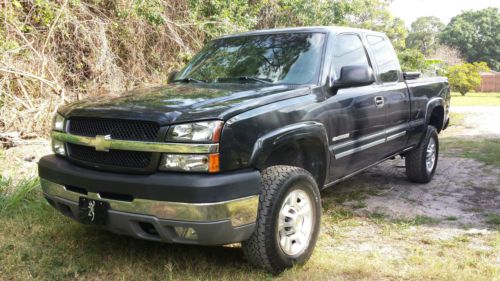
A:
217	131
213	163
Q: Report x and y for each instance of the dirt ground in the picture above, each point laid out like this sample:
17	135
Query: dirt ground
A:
461	193
481	121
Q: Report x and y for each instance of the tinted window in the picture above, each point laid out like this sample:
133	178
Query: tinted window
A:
385	58
348	50
292	58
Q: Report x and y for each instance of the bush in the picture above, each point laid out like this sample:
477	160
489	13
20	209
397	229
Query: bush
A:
412	60
465	77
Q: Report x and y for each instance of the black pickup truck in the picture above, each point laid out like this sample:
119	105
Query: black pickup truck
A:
238	145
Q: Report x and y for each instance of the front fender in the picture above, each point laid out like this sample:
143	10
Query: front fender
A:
307	130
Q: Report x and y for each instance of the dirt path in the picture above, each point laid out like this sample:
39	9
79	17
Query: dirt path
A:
461	194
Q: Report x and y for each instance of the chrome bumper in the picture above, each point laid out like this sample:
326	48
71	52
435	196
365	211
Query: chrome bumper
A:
239	211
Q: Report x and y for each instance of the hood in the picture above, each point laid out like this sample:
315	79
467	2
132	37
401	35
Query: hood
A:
178	103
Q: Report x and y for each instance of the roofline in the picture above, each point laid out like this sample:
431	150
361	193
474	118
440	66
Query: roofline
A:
311	29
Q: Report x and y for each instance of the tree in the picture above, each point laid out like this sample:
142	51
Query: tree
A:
465	77
412	60
375	15
424	34
475	34
217	17
448	55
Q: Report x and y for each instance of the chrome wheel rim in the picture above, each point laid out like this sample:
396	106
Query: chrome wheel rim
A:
295	223
430	159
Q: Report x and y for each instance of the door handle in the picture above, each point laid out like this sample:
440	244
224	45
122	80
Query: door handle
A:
379	101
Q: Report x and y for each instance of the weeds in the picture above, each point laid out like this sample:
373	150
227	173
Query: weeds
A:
493	219
52	52
15	195
484	150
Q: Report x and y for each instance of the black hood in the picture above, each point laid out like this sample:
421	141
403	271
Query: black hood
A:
177	103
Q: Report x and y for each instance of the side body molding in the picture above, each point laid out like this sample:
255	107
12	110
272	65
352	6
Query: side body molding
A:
307	130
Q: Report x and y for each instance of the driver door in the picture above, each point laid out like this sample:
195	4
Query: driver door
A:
356	118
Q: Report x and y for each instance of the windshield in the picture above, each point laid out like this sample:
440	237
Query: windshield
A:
292	58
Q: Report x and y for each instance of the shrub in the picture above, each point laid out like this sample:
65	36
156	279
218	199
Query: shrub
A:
465	77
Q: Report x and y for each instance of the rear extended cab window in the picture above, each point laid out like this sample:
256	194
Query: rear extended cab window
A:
348	50
385	58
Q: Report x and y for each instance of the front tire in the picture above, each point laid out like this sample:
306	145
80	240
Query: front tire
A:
422	161
288	221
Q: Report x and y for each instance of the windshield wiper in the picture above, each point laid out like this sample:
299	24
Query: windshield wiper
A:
256	79
188	80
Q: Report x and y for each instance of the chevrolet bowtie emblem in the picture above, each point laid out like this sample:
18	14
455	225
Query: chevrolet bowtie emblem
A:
102	143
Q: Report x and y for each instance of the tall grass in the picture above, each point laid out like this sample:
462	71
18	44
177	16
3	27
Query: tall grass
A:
52	52
16	195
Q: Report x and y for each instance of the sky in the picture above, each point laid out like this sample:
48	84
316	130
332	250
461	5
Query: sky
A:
409	10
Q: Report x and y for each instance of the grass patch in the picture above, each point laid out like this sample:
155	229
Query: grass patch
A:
17	195
475	99
418	220
493	219
359	205
484	150
457	119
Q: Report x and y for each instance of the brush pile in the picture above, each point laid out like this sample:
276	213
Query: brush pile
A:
52	52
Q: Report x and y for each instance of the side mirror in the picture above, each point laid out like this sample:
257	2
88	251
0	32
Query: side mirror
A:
171	76
354	75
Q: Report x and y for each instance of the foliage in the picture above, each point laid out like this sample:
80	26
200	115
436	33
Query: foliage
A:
475	34
216	18
465	77
54	52
15	195
424	34
219	17
375	15
446	54
412	60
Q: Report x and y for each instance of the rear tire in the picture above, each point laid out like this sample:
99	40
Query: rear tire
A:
422	161
288	220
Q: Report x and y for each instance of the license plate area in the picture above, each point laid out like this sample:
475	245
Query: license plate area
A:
92	211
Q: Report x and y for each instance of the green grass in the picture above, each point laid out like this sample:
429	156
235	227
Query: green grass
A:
475	99
457	119
484	150
493	219
418	220
15	196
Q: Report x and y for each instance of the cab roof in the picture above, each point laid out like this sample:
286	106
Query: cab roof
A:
324	29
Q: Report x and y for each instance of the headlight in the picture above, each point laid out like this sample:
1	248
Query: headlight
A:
58	123
58	147
208	131
190	162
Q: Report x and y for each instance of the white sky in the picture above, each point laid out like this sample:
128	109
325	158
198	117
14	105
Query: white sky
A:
409	10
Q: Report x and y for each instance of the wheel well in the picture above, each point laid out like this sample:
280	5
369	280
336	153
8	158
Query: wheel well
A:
437	118
308	154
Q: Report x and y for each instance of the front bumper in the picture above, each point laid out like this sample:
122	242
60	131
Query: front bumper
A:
147	206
